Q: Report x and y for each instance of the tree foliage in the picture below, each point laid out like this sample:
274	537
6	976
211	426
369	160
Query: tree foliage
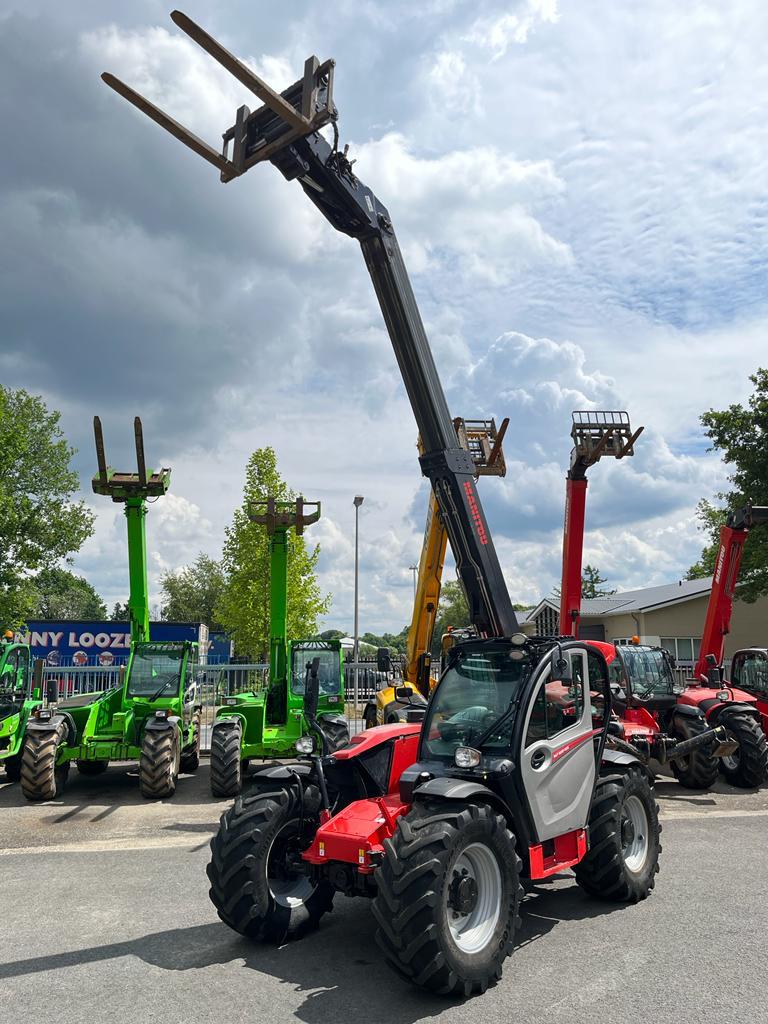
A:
193	594
740	432
451	611
120	613
396	642
244	605
591	584
40	524
60	594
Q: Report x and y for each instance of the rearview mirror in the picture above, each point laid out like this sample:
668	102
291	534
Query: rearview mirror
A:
561	666
383	660
52	691
312	689
403	692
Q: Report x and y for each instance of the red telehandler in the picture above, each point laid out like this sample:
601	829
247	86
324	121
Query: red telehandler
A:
749	668
439	820
693	728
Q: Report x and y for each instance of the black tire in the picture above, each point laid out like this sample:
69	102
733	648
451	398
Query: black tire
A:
699	770
92	767
159	763
226	767
13	768
748	766
336	729
257	835
369	716
420	900
618	866
190	755
41	779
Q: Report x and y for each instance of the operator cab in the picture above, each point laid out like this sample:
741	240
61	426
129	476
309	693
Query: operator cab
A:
15	678
642	676
749	671
329	674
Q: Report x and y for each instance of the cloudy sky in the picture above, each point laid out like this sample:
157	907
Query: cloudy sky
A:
579	189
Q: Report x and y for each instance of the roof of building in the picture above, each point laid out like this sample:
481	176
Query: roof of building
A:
631	600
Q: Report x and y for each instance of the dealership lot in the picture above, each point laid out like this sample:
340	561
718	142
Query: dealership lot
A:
106	917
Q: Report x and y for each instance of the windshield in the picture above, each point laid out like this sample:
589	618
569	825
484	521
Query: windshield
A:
479	687
155	672
648	671
328	672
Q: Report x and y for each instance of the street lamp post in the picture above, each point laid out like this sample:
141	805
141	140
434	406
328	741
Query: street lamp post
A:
358	501
414	569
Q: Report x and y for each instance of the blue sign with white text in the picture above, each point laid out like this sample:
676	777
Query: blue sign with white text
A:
108	643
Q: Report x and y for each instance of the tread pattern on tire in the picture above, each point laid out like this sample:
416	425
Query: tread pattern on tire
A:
190	756
158	763
602	872
700	769
410	885
226	769
40	779
237	869
752	770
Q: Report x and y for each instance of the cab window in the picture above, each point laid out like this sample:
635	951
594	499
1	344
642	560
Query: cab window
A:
750	671
557	706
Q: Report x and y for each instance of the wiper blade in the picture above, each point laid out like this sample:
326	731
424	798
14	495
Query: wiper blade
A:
157	693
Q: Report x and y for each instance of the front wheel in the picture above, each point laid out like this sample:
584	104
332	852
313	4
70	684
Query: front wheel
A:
159	763
448	896
746	767
41	777
226	767
259	884
623	858
190	755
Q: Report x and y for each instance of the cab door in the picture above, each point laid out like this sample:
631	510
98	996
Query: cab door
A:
558	753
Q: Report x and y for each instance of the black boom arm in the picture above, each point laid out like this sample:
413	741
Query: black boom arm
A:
292	142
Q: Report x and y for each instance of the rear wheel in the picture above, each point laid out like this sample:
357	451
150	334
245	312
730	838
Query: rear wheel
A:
746	767
92	767
259	884
226	768
190	755
336	730
700	768
13	768
369	716
41	778
623	858
448	896
159	763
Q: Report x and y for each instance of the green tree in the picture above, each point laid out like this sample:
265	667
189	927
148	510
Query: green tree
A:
120	613
244	605
451	611
193	594
40	524
60	594
740	432
397	642
592	583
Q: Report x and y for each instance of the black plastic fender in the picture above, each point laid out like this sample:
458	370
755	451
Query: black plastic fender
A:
689	710
461	789
723	710
52	723
620	757
282	774
158	724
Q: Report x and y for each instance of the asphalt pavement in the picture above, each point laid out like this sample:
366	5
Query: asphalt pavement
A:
106	918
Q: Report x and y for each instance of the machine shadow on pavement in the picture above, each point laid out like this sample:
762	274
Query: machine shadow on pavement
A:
336	967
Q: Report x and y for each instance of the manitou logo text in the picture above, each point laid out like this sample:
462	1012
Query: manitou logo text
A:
476	517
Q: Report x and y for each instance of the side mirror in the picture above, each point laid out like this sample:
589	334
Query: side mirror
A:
52	691
617	691
312	689
383	660
561	667
423	673
403	692
37	678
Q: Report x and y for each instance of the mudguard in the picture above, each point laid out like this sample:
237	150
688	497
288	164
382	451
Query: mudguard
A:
281	774
691	710
52	723
443	788
159	724
620	757
720	711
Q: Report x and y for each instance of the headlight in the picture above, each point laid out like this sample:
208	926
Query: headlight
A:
723	695
305	744
162	714
466	757
230	701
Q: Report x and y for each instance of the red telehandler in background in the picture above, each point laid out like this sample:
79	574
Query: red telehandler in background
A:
749	668
694	728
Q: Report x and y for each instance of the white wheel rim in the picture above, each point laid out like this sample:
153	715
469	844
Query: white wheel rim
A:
635	847
473	931
288	893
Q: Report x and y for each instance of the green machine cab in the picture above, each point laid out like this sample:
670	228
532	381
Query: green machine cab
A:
20	695
267	724
152	715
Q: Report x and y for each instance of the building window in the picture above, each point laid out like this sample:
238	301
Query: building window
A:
684	648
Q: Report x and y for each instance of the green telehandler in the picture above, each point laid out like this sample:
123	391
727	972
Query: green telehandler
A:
151	716
267	724
21	693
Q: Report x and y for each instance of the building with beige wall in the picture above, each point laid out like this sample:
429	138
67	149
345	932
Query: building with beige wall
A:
670	616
